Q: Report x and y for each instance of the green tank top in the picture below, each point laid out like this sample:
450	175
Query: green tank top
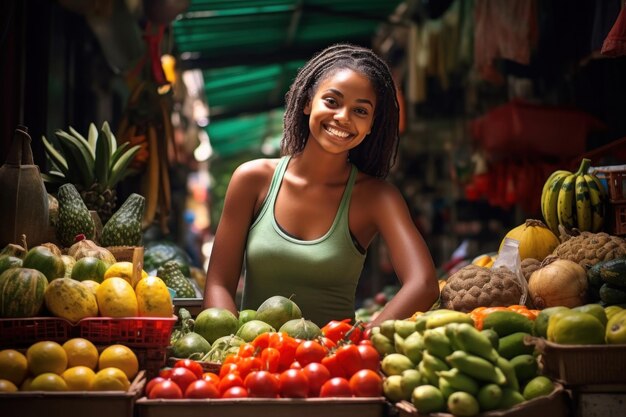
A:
321	274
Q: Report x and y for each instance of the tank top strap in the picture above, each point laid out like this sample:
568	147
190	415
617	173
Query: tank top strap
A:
347	194
277	179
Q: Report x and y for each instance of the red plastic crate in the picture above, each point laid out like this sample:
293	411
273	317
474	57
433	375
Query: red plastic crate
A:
23	332
133	332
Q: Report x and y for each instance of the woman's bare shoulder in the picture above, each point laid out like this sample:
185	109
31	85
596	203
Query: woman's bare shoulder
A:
256	171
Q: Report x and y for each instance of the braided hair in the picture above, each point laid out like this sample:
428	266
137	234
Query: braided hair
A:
377	153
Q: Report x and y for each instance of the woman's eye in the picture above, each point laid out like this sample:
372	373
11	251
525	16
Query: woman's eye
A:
331	101
362	112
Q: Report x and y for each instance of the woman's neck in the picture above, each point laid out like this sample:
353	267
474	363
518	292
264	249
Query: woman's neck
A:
320	167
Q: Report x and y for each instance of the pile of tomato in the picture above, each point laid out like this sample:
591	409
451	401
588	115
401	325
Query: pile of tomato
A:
341	363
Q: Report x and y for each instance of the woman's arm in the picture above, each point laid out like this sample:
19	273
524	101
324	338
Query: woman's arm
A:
409	254
229	245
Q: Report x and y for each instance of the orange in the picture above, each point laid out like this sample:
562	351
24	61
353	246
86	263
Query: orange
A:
48	382
110	379
124	269
7	386
13	366
79	378
81	352
46	356
121	357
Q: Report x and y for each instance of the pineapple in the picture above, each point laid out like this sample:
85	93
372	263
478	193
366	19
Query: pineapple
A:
95	165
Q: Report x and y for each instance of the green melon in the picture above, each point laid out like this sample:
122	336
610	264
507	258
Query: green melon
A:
89	268
8	262
278	310
21	292
42	259
301	329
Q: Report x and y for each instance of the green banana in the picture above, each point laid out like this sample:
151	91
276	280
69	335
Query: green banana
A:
476	367
428	375
475	342
455	343
459	381
509	372
436	343
546	187
566	213
433	363
451	316
550	201
597	202
583	204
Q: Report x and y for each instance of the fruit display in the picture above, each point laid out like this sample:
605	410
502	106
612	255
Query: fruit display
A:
442	363
574	200
588	249
560	282
536	241
76	365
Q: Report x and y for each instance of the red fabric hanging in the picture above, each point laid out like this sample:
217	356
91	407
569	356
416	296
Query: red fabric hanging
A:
615	43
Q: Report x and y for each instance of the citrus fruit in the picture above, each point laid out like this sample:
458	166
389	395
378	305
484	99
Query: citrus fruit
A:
46	356
25	386
428	399
121	357
392	388
7	386
553	320
110	379
117	298
13	366
538	387
213	323
81	352
611	311
89	268
578	328
48	381
78	378
462	404
278	310
123	269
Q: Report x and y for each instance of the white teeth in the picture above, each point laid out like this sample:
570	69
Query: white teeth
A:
336	132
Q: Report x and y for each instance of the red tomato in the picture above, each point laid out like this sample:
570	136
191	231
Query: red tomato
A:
327	343
235	392
211	377
202	389
293	383
270	359
336	387
153	382
166	389
165	372
287	346
295	365
310	351
192	365
336	330
366	383
333	366
228	368
249	364
349	358
317	374
183	377
246	350
262	384
370	359
229	381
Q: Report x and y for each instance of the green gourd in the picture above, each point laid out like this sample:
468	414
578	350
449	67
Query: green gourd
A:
124	227
74	217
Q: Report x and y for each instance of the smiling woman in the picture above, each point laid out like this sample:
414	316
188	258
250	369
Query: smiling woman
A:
302	224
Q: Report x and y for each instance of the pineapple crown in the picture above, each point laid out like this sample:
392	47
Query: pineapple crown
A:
86	161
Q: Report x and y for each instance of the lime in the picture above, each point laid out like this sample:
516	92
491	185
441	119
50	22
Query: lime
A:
538	387
462	404
392	388
428	399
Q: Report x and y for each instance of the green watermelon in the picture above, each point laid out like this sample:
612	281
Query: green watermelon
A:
7	262
21	292
42	259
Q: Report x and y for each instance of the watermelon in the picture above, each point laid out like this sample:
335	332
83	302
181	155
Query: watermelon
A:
7	262
42	259
21	292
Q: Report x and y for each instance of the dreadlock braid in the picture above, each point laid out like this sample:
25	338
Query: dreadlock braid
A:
377	153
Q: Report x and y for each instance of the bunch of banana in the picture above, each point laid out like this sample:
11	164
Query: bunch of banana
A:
574	200
146	122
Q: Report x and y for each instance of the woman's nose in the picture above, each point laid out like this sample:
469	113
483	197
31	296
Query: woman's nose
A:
342	114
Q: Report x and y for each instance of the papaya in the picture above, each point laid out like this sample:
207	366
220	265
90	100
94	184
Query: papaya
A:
69	299
153	298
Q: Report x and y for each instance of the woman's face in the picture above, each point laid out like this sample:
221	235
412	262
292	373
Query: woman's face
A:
341	111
